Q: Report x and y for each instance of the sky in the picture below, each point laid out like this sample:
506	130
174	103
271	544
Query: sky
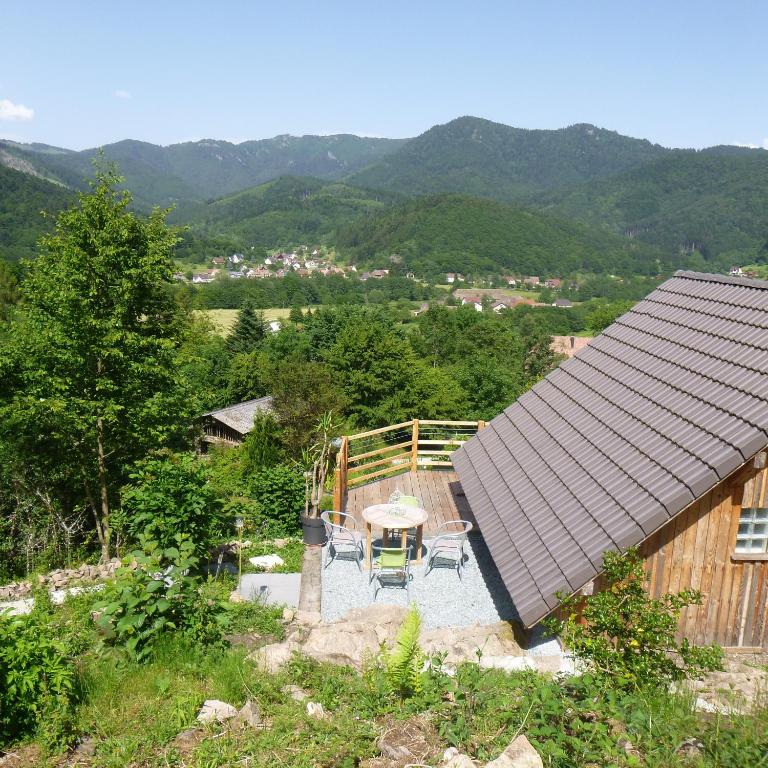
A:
82	74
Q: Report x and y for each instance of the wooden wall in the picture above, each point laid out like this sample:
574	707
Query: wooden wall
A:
696	551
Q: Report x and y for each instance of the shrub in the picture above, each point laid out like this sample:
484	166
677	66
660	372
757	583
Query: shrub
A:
157	594
279	493
171	496
35	670
629	637
403	663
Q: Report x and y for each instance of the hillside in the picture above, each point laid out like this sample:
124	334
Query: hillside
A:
22	199
207	169
455	233
478	157
284	212
715	200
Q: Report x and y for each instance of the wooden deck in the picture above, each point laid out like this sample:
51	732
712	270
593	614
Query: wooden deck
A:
440	491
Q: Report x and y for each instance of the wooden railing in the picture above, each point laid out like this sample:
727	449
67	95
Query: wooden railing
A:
409	446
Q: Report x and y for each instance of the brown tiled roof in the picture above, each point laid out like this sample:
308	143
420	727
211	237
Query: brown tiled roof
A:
655	411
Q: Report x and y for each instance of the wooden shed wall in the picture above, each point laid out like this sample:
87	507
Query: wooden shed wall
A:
696	551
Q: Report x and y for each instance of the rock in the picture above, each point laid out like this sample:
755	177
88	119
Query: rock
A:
267	562
289	615
519	754
690	748
308	617
86	747
296	693
214	711
507	663
271	657
280	543
449	754
185	738
249	715
628	747
315	709
460	761
236	597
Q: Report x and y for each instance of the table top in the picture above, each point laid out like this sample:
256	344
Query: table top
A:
394	516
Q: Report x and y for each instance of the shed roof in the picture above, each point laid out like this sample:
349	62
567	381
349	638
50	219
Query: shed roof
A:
240	415
659	408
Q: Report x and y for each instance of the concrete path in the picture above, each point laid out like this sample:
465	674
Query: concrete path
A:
311	583
271	588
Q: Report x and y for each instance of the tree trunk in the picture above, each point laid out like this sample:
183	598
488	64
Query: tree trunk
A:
102	524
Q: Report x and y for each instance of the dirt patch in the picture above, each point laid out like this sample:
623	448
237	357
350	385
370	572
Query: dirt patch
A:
414	740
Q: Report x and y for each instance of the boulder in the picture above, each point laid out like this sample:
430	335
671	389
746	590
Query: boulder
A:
315	709
236	597
460	761
288	615
507	663
249	715
295	692
271	657
215	711
267	562
519	754
690	749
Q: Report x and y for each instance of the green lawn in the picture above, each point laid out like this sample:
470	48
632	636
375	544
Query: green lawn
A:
224	319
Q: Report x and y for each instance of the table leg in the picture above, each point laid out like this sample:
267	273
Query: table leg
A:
419	539
385	537
404	538
368	537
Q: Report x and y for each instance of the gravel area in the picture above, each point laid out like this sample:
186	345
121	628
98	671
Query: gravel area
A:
444	599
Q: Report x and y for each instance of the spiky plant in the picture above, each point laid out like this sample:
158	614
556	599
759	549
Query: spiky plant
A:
405	660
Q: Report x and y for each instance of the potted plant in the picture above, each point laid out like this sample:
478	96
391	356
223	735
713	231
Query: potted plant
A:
316	461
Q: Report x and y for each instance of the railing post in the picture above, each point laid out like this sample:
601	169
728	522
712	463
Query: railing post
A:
415	446
340	479
480	425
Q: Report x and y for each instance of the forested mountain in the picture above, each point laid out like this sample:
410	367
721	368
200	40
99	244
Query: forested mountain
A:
455	233
206	169
284	212
478	157
22	200
715	200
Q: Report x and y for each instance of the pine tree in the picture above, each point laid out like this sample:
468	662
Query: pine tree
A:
295	315
249	330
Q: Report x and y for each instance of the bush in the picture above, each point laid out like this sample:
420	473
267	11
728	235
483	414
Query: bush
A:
157	594
170	497
628	638
35	673
279	492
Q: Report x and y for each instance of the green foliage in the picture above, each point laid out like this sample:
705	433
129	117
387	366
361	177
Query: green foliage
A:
169	497
403	663
628	638
263	445
604	314
159	593
89	383
249	330
36	673
279	495
22	198
449	233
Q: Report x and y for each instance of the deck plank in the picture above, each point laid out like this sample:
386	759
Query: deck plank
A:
439	490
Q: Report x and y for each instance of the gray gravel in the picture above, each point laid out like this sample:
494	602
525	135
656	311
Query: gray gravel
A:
444	600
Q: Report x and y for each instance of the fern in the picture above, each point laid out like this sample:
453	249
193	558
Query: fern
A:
404	662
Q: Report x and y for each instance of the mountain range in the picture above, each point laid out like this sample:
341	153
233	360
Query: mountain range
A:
701	208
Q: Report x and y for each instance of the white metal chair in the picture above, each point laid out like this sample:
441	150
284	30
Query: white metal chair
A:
343	538
391	567
448	545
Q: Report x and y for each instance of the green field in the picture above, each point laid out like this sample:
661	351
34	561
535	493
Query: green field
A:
223	319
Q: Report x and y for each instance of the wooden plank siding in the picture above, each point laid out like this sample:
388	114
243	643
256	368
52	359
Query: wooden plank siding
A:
695	551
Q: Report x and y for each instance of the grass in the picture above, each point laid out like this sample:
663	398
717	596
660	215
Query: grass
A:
292	553
224	319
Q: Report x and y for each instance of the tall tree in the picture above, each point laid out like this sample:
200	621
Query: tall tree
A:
249	329
89	381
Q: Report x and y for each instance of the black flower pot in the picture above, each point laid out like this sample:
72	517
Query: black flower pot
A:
313	530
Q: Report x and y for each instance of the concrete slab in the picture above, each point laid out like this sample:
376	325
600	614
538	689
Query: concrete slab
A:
271	588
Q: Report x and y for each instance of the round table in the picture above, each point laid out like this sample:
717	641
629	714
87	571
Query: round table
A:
397	516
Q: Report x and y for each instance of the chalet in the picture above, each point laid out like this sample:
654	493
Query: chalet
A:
260	273
379	274
509	280
450	278
207	276
219	261
531	281
735	272
654	435
230	425
474	301
555	283
562	303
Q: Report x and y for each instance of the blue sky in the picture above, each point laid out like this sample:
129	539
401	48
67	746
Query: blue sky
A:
80	73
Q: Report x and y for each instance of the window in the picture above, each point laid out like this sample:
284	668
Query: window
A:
752	537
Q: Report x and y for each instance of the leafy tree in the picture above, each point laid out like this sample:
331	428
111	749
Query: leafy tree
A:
171	496
249	330
263	446
605	314
89	376
279	493
9	290
628	638
295	315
